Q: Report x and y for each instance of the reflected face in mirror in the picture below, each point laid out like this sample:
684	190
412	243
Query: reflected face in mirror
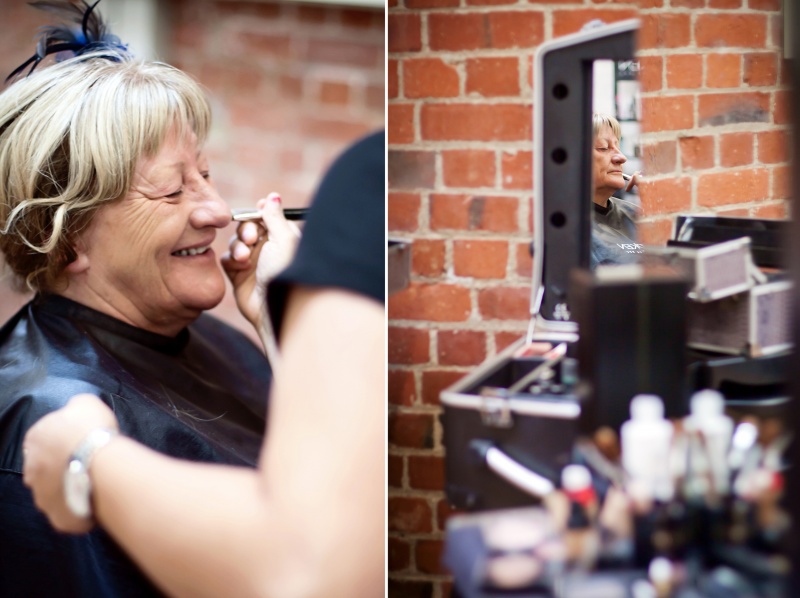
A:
616	130
613	219
607	164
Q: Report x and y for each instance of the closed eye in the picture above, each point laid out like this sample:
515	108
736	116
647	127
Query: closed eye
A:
175	193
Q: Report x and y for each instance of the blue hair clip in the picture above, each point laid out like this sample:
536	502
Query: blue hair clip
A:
88	34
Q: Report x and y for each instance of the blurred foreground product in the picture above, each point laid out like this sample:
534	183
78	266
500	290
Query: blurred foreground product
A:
646	440
718	531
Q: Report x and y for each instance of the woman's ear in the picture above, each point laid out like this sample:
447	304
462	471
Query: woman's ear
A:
81	261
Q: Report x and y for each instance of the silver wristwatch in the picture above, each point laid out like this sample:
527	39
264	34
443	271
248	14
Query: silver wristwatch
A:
77	484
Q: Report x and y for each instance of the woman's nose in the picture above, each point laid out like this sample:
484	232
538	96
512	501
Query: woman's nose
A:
209	209
619	157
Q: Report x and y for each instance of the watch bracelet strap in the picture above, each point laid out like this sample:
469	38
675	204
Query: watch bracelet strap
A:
93	442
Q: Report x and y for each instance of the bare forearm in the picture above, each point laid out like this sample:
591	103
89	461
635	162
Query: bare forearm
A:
171	516
207	530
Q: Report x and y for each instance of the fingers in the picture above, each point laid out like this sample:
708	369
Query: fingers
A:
636	178
241	245
239	250
250	235
249	232
275	221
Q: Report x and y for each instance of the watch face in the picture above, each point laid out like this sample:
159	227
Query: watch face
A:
77	488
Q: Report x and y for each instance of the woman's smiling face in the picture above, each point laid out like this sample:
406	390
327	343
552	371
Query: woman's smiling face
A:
146	259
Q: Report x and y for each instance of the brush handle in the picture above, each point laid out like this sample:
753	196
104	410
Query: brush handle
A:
247	214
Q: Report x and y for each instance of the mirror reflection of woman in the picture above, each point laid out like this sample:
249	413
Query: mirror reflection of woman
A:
614	239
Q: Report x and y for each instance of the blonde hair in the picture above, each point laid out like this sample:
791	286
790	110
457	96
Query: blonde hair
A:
601	120
71	136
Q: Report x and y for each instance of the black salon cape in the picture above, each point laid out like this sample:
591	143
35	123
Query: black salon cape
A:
614	235
344	243
201	396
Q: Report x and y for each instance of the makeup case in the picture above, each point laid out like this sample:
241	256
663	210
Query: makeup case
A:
507	446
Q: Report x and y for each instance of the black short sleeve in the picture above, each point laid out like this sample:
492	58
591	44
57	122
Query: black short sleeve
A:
343	244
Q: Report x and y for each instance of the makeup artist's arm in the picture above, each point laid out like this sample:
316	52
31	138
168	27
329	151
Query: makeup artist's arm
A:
308	522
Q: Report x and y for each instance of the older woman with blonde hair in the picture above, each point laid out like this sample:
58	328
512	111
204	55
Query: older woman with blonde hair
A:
614	238
108	212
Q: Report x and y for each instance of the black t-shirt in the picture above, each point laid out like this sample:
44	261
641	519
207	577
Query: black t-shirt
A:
343	244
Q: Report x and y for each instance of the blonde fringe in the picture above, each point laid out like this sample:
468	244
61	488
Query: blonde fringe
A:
75	132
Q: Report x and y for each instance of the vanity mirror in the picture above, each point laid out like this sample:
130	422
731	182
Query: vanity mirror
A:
566	97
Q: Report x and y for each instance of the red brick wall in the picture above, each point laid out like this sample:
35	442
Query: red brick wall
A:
715	114
460	187
291	85
19	24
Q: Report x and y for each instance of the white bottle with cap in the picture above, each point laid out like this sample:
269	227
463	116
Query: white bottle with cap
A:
646	440
707	417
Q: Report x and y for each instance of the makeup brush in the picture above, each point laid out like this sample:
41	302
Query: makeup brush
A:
247	214
627	178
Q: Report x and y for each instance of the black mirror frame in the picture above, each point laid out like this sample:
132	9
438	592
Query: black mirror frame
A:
562	163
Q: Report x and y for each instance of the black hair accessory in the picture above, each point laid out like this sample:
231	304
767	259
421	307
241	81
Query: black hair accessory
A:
91	34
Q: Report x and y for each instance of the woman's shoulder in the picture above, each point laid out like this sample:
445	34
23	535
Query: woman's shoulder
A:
26	398
625	208
40	367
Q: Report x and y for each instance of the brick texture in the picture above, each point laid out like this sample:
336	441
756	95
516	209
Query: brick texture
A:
715	140
470	122
480	259
428	258
461	347
468	168
435	381
474	213
429	78
732	142
490	77
723	70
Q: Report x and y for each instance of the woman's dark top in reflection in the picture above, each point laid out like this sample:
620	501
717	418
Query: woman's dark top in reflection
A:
614	233
614	238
